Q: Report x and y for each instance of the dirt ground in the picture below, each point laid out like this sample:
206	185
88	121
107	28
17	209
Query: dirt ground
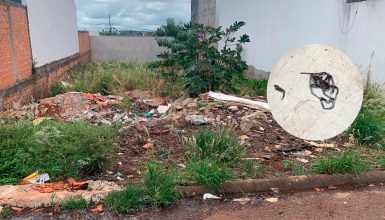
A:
359	203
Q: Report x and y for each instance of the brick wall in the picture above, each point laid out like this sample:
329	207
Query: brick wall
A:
18	86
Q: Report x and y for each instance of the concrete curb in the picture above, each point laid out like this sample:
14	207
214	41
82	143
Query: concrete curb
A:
292	183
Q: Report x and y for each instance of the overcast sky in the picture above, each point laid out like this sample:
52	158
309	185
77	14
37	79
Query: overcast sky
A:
136	14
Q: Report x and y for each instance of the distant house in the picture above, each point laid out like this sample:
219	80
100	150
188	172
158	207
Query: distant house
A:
355	27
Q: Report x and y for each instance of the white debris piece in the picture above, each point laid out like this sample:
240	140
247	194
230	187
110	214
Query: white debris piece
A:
248	102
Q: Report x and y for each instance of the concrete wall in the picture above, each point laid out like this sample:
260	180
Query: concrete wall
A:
53	29
275	27
124	49
15	49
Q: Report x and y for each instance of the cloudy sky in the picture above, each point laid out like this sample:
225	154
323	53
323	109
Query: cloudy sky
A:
130	14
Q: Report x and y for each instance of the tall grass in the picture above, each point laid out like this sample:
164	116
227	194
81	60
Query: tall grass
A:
369	127
118	78
61	149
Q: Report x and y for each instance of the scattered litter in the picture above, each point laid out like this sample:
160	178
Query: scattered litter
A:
332	187
371	185
98	208
319	189
248	102
233	108
182	165
197	119
272	200
155	102
164	155
322	145
275	190
302	153
162	109
35	178
210	196
303	160
149	144
17	209
243	201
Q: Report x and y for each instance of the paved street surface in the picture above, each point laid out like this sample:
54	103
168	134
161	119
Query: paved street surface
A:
367	203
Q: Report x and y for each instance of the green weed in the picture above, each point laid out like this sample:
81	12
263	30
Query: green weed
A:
252	87
57	89
298	170
287	164
210	173
252	169
6	213
61	149
346	162
369	127
127	201
74	204
219	146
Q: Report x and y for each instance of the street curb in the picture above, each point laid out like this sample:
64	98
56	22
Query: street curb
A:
292	183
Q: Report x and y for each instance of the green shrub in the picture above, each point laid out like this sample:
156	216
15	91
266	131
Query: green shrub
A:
74	204
346	162
252	169
57	89
381	161
210	173
62	150
369	127
220	146
127	201
194	55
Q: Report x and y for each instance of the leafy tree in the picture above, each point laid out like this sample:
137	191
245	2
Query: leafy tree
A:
207	58
170	29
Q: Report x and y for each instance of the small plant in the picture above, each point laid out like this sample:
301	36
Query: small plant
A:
252	169
57	89
346	162
219	146
74	204
298	170
6	213
210	173
159	186
126	103
126	201
287	164
381	162
33	69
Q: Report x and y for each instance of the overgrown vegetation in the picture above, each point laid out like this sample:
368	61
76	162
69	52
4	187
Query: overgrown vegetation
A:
6	213
206	58
252	169
61	149
74	204
158	190
118	78
57	89
344	162
170	29
369	127
298	170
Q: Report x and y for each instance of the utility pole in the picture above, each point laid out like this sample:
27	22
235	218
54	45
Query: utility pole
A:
109	23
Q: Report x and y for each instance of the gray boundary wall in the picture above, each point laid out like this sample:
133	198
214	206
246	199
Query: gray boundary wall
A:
124	49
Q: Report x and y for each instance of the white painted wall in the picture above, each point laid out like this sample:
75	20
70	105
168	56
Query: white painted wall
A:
278	26
53	29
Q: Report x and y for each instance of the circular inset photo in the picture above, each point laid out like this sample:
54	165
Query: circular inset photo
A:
315	92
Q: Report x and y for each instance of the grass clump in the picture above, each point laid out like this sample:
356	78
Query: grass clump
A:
346	162
63	150
74	204
6	213
221	146
210	173
158	190
252	169
57	89
252	87
369	127
127	201
298	170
